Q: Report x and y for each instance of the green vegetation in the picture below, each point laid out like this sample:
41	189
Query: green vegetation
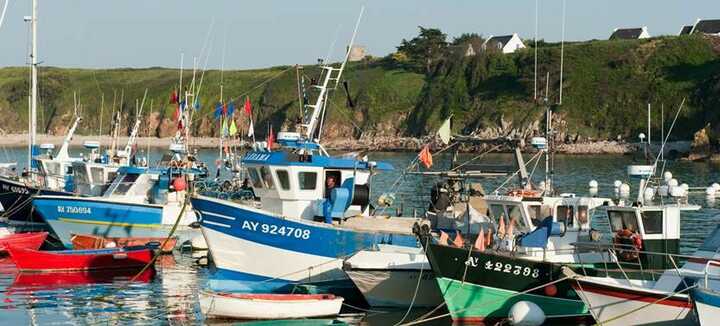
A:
606	88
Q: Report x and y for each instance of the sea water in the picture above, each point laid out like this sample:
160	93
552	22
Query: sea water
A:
170	296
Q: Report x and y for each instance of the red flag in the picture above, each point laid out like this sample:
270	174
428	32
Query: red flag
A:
174	97
225	109
511	227
248	106
480	241
488	239
501	227
426	157
177	113
444	238
459	241
270	138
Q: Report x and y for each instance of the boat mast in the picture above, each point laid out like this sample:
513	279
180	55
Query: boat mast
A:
33	92
313	125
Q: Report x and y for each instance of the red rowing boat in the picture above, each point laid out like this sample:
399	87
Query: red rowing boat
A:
78	260
30	240
91	241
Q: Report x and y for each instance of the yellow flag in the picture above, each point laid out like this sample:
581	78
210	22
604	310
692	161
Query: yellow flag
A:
233	128
444	131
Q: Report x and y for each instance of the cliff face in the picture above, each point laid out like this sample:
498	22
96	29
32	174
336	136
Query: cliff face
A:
606	88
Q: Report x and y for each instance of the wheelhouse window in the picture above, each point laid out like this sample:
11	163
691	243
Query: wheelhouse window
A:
497	211
97	175
583	214
283	178
623	220
255	178
267	177
307	180
565	214
515	213
652	222
125	184
536	214
68	170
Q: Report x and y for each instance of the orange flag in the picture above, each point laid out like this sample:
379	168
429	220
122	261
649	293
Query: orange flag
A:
480	241
488	239
459	241
444	238
501	227
425	157
510	227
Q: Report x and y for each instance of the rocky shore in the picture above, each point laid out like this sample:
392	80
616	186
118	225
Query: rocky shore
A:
371	144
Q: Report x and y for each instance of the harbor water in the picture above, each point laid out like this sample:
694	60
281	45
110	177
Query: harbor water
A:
170	295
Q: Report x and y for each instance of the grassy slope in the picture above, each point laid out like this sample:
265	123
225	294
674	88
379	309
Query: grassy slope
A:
606	87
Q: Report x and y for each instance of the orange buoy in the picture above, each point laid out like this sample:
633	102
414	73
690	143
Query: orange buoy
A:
551	290
179	184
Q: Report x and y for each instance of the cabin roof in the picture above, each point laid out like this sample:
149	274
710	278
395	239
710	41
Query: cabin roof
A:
291	159
708	26
686	29
626	33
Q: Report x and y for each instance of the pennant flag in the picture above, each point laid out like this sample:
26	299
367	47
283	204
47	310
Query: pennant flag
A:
177	113
444	131
270	138
480	241
218	110
511	227
426	157
501	227
459	241
444	238
174	97
251	130
488	239
197	104
224	110
233	128
224	127
231	108
248	106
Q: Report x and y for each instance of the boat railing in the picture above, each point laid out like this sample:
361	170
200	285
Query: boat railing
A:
706	270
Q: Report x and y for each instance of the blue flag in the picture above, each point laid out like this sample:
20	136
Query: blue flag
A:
231	108
197	104
218	110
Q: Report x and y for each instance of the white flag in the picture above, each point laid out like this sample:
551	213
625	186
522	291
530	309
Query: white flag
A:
251	130
444	131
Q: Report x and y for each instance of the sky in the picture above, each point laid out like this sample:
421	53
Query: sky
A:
150	33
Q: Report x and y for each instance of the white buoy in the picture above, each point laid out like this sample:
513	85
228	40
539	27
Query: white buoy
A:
667	176
663	190
649	193
672	183
593	184
617	183
710	191
685	186
526	313
716	186
625	190
198	243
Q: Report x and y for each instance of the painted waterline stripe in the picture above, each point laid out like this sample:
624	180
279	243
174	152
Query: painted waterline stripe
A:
218	224
138	225
631	295
218	215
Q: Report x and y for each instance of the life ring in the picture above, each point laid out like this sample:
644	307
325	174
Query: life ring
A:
625	238
524	193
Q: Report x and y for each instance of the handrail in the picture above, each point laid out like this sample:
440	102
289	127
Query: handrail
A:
707	267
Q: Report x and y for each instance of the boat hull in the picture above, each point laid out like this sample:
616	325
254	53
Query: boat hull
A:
79	260
269	306
707	305
484	286
31	240
88	241
95	216
262	248
16	198
396	288
624	305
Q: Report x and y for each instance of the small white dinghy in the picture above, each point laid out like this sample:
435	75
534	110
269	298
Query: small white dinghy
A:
269	306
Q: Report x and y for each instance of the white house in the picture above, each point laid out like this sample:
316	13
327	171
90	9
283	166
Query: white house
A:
357	53
630	33
505	43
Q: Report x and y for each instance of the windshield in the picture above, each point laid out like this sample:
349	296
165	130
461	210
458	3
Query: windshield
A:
623	220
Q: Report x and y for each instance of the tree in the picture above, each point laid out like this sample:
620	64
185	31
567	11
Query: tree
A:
425	49
465	38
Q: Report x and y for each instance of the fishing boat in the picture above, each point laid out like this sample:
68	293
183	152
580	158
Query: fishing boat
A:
269	306
30	240
313	211
622	300
89	241
29	260
706	299
141	202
